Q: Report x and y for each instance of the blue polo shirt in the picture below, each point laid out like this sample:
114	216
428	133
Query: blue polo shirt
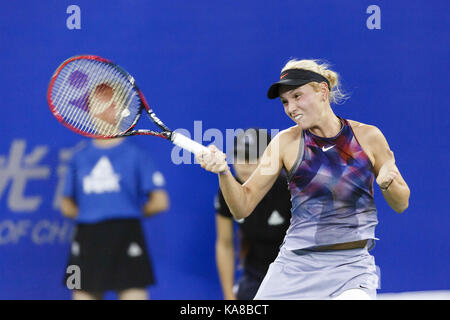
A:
111	182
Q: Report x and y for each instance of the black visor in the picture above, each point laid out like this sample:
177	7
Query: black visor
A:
296	78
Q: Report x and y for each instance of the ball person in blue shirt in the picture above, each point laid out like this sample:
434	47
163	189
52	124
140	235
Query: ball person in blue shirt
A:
109	185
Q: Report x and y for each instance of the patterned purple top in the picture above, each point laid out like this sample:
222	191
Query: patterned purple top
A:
331	186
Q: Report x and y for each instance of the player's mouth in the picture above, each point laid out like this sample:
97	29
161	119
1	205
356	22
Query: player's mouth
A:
297	117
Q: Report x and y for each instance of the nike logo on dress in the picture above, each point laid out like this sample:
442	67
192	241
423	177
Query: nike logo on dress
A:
327	148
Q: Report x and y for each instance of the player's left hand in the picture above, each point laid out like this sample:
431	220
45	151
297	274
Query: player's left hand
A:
388	172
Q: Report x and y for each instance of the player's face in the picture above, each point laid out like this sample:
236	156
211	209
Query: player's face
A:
244	169
302	104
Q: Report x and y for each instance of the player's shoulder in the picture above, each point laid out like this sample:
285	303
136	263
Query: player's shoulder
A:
370	138
365	131
289	134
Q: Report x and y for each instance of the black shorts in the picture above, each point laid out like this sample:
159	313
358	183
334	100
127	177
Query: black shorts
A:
111	255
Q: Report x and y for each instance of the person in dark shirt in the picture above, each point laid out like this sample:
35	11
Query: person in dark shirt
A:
261	233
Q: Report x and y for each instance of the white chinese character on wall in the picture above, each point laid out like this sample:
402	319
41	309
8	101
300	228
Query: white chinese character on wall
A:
16	170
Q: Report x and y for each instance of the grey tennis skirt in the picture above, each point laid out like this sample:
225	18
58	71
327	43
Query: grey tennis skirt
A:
319	275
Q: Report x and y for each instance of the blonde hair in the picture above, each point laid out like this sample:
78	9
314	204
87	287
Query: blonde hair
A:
336	96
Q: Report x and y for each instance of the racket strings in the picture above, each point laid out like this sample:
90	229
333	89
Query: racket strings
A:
105	104
74	79
75	116
77	79
95	97
84	121
102	123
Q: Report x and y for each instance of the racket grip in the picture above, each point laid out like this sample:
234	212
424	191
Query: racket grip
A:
188	144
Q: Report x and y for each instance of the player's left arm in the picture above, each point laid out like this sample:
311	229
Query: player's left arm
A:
69	207
394	188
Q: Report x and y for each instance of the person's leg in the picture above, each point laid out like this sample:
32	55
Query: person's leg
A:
133	294
85	295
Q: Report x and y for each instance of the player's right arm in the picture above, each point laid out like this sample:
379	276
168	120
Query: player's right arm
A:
243	199
158	201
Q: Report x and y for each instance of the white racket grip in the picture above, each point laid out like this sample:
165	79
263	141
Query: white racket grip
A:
188	144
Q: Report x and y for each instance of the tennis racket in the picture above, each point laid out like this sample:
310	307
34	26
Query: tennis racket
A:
96	98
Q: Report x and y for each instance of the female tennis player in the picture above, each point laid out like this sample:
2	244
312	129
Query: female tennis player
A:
331	163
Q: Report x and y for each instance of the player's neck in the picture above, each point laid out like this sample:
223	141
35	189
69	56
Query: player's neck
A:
329	127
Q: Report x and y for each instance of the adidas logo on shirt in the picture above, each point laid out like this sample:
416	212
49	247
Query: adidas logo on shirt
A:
102	178
275	219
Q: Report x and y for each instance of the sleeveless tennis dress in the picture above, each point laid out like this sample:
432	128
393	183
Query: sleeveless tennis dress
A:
331	185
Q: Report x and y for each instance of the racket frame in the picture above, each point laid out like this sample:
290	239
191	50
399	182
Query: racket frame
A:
175	137
165	134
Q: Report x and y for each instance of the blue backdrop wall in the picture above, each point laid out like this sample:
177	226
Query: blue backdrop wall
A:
213	61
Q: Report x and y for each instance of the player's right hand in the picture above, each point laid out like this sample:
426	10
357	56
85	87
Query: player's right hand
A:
214	161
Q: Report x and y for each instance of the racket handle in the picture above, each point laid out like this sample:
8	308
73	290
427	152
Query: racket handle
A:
188	144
